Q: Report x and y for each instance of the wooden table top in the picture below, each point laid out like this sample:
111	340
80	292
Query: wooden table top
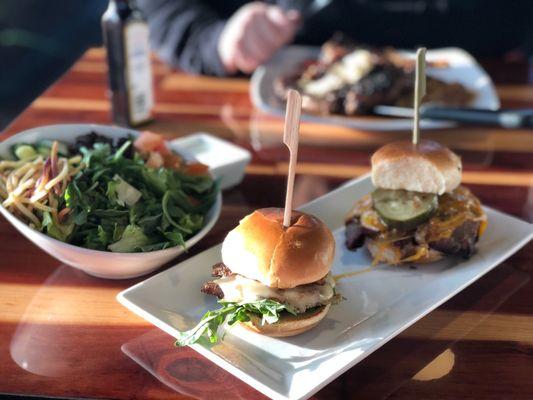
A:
62	333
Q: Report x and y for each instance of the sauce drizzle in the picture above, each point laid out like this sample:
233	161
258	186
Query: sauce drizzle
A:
338	277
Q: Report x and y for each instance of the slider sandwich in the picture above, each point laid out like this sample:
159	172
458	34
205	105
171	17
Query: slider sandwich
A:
418	212
273	280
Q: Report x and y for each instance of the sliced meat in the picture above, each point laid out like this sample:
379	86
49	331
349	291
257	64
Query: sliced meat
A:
315	105
407	247
336	48
381	86
461	242
283	83
220	270
354	234
213	289
313	70
320	282
437	92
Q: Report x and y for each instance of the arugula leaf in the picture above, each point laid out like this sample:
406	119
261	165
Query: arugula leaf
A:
122	149
81	217
270	310
175	238
149	223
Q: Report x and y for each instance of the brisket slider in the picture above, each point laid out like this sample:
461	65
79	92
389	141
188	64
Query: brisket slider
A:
288	267
418	212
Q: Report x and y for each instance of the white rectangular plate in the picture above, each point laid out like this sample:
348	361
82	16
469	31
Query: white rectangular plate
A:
463	69
379	304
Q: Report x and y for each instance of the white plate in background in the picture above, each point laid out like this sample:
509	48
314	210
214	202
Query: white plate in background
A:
463	68
379	303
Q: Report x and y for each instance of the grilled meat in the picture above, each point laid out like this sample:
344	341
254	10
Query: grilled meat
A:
381	86
320	282
212	288
462	241
355	236
220	270
389	81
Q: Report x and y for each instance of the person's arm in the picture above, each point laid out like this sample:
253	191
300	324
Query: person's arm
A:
253	34
194	38
185	34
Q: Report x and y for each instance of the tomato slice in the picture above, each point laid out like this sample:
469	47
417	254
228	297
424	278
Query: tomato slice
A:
149	141
172	161
196	168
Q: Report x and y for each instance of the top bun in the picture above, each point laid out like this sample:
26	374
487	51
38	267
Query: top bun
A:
427	167
261	248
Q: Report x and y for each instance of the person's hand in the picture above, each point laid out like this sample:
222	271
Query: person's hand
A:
253	34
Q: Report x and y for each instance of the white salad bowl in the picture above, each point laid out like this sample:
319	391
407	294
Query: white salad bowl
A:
102	264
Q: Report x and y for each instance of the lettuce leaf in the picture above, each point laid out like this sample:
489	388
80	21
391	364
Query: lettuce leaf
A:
132	239
269	310
59	232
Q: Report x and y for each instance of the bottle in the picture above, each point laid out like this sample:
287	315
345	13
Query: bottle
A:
125	33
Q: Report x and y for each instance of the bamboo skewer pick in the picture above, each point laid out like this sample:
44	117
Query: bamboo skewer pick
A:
290	138
420	91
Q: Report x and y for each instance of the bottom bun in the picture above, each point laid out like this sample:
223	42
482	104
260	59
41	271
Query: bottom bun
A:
289	325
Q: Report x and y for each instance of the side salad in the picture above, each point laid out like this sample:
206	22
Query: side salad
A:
128	195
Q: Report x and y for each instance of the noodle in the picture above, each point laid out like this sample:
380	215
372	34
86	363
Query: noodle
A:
38	178
28	174
38	195
62	175
28	214
74	160
23	169
5	164
38	205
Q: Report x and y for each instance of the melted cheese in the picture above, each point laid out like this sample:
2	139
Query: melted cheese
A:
238	289
349	70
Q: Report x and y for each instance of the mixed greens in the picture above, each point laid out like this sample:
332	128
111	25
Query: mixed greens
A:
123	196
270	311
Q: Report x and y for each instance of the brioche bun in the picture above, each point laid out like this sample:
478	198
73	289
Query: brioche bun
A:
261	248
288	325
427	167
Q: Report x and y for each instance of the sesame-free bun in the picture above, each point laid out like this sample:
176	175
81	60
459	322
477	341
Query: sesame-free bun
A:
288	325
261	248
427	167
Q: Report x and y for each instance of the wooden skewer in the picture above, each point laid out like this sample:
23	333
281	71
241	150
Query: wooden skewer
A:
420	91
290	138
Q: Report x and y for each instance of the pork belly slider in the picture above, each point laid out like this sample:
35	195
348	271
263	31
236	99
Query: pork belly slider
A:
418	212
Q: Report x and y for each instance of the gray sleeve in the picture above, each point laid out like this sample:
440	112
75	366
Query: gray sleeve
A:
185	34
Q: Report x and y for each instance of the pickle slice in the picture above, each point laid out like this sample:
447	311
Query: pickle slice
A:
403	209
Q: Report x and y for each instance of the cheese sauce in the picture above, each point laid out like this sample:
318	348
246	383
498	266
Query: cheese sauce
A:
344	275
237	288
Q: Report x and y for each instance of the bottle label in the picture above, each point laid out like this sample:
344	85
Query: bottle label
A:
138	72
